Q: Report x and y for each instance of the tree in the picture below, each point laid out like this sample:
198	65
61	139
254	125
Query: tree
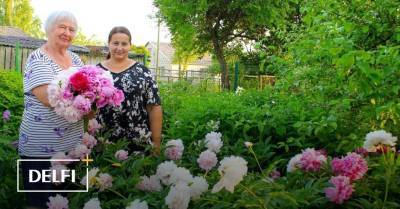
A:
19	13
82	40
183	58
212	25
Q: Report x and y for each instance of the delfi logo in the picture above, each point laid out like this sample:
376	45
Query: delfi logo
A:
53	175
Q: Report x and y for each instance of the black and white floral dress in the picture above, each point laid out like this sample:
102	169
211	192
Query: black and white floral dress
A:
130	120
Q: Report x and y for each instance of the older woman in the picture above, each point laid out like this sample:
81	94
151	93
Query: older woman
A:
42	131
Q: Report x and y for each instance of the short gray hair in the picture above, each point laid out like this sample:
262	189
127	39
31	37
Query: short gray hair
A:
57	16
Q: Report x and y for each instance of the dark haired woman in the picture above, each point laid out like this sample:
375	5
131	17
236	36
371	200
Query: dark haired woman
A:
139	118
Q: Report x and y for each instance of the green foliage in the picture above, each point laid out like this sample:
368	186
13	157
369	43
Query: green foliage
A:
19	13
202	25
82	40
11	98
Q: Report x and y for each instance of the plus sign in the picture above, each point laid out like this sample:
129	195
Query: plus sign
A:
87	160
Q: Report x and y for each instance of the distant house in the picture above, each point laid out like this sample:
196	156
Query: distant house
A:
166	64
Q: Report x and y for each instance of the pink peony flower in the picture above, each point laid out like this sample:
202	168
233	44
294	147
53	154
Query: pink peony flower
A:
94	126
105	82
79	152
322	152
117	98
311	160
104	181
6	115
102	101
89	140
361	151
352	166
82	104
74	92
91	96
67	94
57	202
150	184
274	174
341	191
79	81
207	160
121	155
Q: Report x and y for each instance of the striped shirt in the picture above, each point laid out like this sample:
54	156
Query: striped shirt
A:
42	131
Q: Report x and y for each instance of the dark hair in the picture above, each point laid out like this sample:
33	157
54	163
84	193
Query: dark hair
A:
118	29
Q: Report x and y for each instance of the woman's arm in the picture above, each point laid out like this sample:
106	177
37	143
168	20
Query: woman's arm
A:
40	93
155	118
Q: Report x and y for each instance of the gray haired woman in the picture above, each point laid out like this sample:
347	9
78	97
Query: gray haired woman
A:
42	132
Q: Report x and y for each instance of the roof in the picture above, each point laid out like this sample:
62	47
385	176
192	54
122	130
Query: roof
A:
12	31
34	43
168	51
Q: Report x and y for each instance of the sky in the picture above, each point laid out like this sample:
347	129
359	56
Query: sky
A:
98	17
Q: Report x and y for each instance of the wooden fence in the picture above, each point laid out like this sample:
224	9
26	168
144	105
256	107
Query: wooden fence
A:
14	58
193	76
9	60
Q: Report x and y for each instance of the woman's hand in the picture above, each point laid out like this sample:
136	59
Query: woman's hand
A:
156	148
155	119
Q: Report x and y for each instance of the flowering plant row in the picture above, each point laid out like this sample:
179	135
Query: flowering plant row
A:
197	176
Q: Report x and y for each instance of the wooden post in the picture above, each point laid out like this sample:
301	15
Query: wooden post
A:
236	81
17	57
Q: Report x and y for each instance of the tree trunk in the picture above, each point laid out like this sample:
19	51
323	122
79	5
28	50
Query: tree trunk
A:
8	12
219	53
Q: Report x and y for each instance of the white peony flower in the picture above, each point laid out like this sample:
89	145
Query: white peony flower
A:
207	160
165	170
56	172
60	156
104	181
57	202
239	90
91	176
150	184
294	163
248	144
181	175
174	150
198	187
137	204
213	141
232	170
178	196
93	203
376	138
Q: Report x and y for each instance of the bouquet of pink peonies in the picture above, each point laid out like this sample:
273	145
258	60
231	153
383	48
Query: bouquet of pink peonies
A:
75	92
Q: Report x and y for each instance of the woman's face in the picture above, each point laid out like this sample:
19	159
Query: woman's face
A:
63	33
119	46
